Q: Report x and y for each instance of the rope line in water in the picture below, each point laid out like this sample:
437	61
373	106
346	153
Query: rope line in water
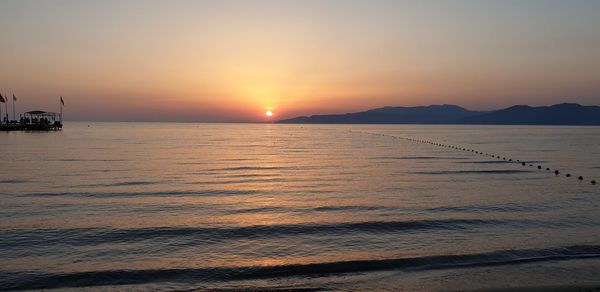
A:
556	171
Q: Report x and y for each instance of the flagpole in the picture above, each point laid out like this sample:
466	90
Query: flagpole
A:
6	110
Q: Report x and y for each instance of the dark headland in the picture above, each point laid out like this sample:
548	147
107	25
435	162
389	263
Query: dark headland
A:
558	114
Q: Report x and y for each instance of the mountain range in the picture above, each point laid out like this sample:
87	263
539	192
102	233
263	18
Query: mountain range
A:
558	114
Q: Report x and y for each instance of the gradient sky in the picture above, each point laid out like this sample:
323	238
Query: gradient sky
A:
232	60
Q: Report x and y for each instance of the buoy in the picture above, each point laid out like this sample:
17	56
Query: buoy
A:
524	163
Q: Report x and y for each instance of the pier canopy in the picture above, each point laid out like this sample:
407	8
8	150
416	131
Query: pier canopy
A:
41	120
42	114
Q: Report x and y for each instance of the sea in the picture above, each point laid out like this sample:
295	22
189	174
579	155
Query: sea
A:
290	207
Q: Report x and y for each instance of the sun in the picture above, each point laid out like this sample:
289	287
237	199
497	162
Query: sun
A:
268	113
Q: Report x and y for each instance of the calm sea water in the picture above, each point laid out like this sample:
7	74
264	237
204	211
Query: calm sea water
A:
340	207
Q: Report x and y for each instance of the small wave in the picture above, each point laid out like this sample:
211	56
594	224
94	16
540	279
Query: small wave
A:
251	168
241	181
250	175
14	181
260	210
86	236
416	158
497	171
37	280
235	159
88	160
132	183
499	161
106	170
484	208
351	208
149	194
486	162
118	184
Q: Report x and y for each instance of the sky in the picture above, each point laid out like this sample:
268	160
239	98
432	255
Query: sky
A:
176	60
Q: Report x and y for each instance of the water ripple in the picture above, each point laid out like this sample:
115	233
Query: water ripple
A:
36	280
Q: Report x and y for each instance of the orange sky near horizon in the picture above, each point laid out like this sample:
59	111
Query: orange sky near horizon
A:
234	60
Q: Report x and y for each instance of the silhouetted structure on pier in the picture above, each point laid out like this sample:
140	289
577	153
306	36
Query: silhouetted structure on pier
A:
34	121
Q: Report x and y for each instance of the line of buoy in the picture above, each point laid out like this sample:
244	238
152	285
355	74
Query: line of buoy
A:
556	172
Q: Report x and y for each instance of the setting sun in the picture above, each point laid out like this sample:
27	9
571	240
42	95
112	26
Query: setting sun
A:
268	113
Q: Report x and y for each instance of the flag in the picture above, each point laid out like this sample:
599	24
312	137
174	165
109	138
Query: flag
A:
14	97
2	99
62	101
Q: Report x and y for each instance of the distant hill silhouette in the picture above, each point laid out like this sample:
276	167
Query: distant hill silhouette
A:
559	114
432	114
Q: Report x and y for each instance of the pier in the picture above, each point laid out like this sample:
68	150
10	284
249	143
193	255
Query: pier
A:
34	121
